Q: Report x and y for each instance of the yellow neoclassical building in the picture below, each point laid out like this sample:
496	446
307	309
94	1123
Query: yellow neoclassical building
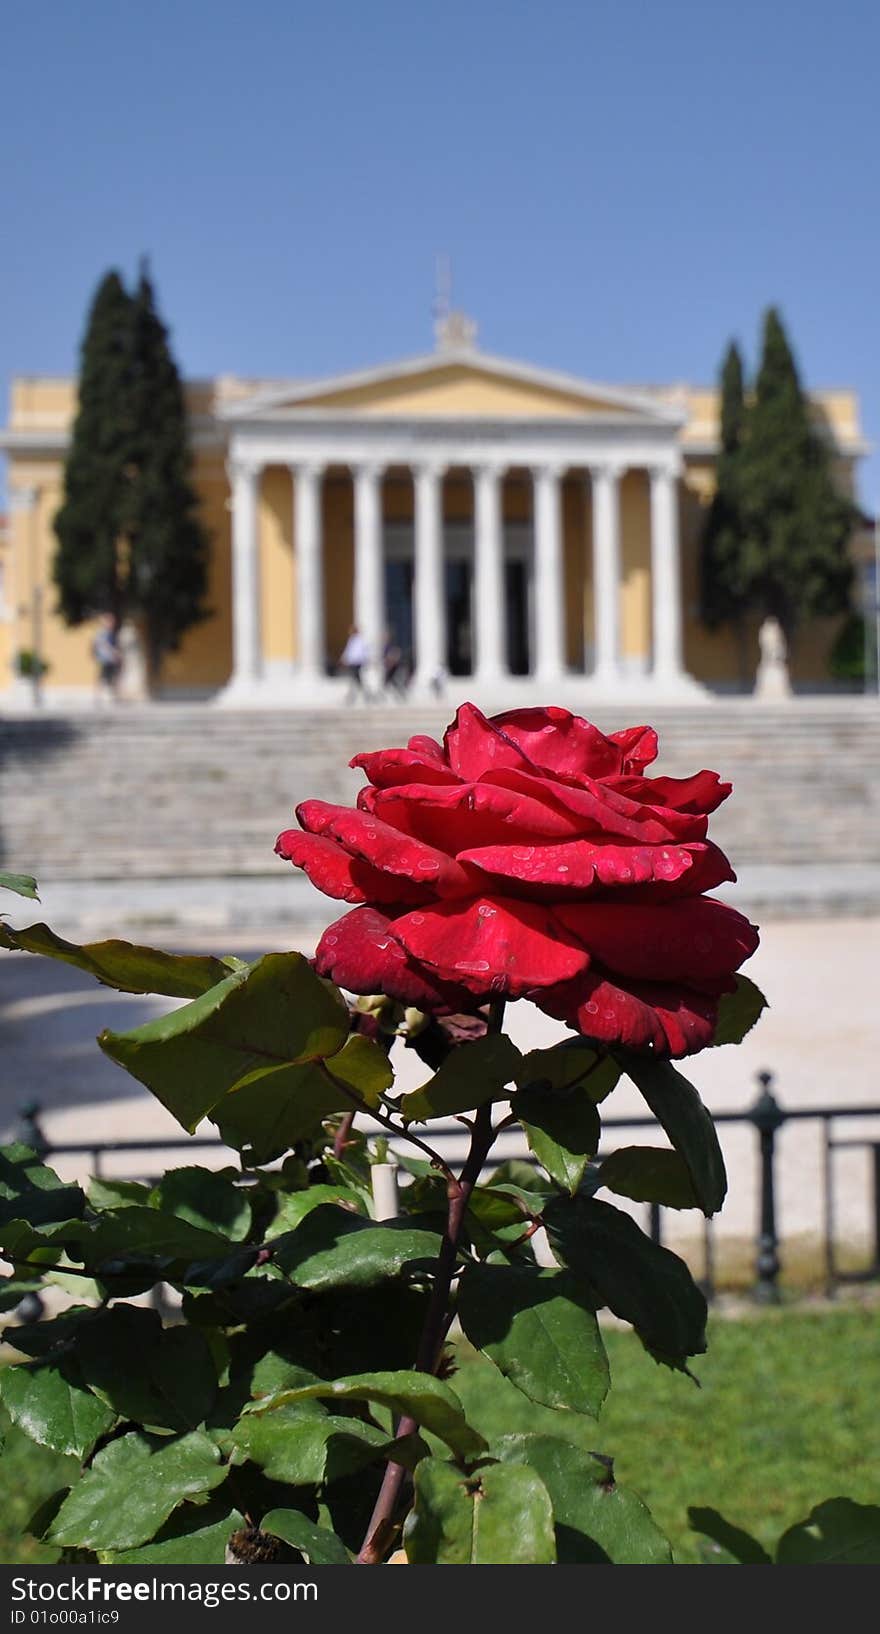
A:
495	521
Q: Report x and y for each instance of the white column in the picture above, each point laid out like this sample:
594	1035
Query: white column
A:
549	600
666	574
490	601
247	658
369	567
309	557
606	570
429	584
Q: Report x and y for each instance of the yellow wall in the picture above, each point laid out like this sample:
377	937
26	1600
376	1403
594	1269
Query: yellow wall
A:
635	550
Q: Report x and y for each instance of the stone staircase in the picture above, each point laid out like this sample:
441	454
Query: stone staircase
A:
192	792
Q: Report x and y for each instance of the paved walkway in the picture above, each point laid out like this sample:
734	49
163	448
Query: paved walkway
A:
269	904
820	1037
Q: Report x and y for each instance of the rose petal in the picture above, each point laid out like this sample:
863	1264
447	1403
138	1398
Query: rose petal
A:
554	740
710	867
336	873
386	768
492	944
638	746
554	871
359	953
475	744
467	815
659	1017
386	848
702	793
596	808
690	940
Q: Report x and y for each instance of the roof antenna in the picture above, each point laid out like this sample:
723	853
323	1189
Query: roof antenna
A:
442	293
453	331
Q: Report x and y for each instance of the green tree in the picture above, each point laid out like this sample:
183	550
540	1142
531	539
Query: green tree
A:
777	534
168	546
797	524
129	540
723	588
89	569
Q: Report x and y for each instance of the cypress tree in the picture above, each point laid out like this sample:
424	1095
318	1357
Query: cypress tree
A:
88	570
129	540
723	587
169	548
796	524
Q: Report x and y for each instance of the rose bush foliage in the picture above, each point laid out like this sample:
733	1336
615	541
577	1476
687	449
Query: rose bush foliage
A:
531	856
304	1396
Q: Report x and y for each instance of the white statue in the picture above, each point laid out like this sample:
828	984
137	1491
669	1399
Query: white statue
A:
772	683
134	685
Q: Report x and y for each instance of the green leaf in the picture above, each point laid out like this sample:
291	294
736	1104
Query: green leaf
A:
745	1549
334	1248
139	1234
570	1065
835	1533
539	1328
21	884
597	1522
132	1487
123	965
642	1283
406	1394
50	1401
496	1408
320	1546
678	1108
293	1206
107	1193
649	1174
31	1191
498	1517
303	1448
471	1075
276	1012
162	1378
562	1129
206	1198
270	1109
738	1012
194	1536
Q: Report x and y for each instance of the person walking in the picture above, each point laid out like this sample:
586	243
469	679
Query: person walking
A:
355	654
107	654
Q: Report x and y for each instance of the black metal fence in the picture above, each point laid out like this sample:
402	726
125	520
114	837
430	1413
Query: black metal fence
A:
765	1116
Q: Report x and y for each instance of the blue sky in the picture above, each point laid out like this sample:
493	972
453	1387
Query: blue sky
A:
621	187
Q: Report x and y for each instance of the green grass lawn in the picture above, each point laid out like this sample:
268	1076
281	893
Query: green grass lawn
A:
786	1416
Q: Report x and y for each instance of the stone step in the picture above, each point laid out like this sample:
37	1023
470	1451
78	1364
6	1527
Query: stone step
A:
194	792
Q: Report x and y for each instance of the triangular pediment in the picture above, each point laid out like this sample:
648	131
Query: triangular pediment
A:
457	386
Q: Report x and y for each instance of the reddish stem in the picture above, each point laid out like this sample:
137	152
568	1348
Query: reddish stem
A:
436	1325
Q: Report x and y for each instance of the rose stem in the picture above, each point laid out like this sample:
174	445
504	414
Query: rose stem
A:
435	1326
340	1139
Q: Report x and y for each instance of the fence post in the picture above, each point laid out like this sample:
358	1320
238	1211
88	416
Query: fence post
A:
767	1116
30	1130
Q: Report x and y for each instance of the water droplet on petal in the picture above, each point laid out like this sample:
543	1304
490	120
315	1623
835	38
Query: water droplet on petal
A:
330	941
475	967
563	868
591	1008
428	865
417	919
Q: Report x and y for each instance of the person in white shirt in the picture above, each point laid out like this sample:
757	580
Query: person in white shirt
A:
355	654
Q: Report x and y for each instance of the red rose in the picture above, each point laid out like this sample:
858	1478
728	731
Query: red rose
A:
531	857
